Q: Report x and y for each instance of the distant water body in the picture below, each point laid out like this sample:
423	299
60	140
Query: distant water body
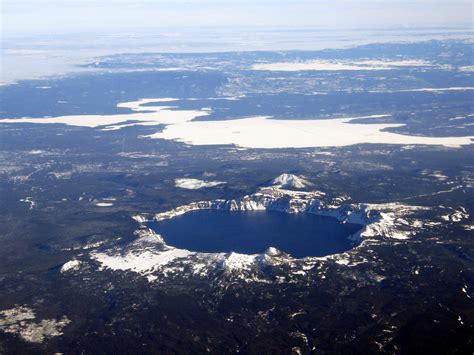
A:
299	235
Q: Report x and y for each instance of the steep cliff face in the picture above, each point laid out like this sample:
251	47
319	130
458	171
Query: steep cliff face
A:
272	199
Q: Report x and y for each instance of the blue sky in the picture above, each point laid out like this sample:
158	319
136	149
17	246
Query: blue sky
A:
20	17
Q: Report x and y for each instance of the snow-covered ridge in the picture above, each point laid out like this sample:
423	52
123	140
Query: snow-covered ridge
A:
384	220
267	198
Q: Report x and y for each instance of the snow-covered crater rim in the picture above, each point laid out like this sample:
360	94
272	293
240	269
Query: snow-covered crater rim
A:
281	200
150	256
391	220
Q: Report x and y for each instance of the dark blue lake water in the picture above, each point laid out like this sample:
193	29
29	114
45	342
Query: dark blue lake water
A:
253	232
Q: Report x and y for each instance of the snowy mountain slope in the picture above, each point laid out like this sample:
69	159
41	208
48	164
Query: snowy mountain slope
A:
290	181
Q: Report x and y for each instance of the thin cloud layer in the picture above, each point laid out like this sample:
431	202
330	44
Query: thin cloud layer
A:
53	16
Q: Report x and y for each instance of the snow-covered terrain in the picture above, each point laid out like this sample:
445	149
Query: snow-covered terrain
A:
326	65
194	184
247	132
22	321
290	181
458	88
104	204
146	116
71	265
338	132
150	256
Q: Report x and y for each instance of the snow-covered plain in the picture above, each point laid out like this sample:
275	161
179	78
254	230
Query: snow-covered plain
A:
432	90
252	132
455	88
146	116
328	65
339	132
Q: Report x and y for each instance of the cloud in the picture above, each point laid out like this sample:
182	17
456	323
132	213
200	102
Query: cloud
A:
53	16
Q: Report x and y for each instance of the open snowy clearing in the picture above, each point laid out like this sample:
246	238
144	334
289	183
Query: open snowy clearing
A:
323	65
253	132
148	115
295	133
194	184
432	90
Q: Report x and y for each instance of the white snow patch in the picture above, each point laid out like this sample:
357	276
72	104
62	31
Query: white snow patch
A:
21	321
236	261
300	335
71	265
439	176
460	88
393	221
194	184
93	245
30	201
149	116
62	175
456	215
299	313
264	132
253	132
327	65
143	261
464	290
299	272
467	68
170	69
37	152
344	262
139	218
104	204
290	181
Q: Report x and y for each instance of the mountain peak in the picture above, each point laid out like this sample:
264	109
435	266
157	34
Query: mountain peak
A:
290	181
272	251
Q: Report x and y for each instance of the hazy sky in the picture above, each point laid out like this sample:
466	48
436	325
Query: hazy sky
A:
58	16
